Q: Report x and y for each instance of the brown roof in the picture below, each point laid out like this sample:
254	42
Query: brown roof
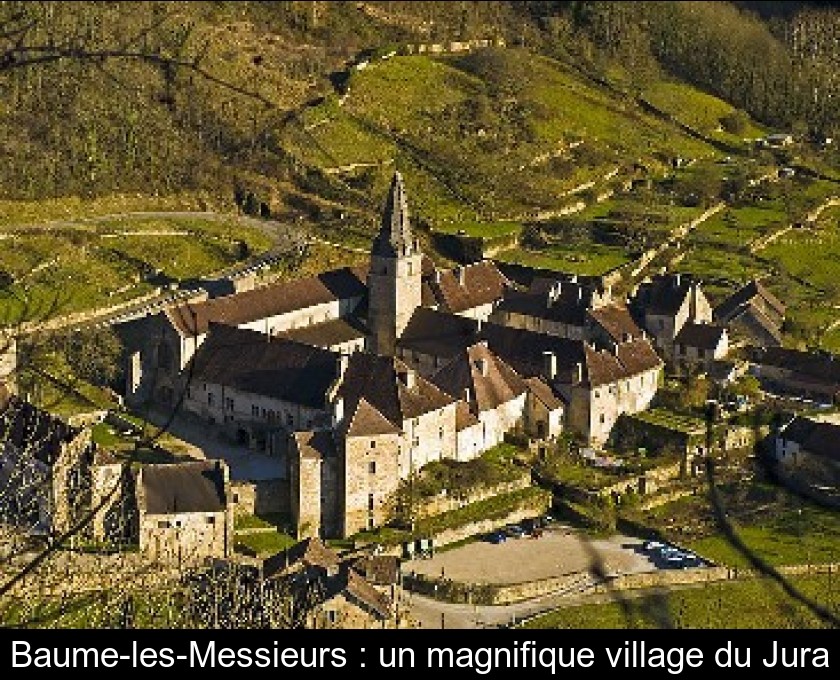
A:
366	421
327	333
384	383
733	305
464	418
272	300
537	279
524	351
490	380
195	486
700	335
382	570
437	333
315	444
310	552
365	594
616	321
270	366
483	284
566	308
542	391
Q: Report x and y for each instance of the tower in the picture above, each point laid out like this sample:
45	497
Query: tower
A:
394	279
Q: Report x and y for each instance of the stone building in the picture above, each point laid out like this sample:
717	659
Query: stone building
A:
698	346
790	372
664	306
44	464
811	449
184	513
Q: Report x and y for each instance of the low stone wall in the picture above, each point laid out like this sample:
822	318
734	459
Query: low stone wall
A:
445	503
260	497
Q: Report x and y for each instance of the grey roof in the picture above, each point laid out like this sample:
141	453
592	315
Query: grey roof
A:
270	366
437	333
394	238
700	335
196	486
733	305
820	439
327	334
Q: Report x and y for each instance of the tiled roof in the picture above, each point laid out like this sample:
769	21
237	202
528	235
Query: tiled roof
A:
437	333
274	367
363	592
490	380
195	486
542	391
616	322
366	421
536	279
483	283
382	570
523	350
700	335
272	300
385	382
310	552
567	308
315	444
824	367
664	294
733	305
327	333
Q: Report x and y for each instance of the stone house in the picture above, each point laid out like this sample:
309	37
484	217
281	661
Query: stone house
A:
338	593
754	314
665	303
161	346
493	392
473	290
44	465
810	448
184	513
698	346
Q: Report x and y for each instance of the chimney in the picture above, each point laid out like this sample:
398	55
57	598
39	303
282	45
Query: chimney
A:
478	324
337	411
481	365
550	365
461	274
341	365
577	378
677	280
626	337
467	395
436	276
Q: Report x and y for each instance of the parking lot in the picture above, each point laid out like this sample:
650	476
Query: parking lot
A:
559	551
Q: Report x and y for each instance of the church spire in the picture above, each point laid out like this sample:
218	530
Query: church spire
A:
394	238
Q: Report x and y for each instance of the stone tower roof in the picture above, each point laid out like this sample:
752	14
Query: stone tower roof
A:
394	238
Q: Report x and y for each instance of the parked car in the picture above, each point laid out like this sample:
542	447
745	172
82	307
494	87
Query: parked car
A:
514	531
497	537
652	546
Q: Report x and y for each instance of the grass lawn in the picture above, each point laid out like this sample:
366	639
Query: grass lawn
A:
265	543
744	604
785	538
670	420
814	256
481	229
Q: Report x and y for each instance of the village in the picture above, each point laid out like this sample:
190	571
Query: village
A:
374	416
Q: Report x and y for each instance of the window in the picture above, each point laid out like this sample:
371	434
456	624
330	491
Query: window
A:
440	433
189	392
372	467
289	419
370	502
331	615
236	498
211	519
211	398
601	418
163	524
229	404
373	443
255	411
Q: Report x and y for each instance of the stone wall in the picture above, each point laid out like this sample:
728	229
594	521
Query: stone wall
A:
444	502
261	497
371	477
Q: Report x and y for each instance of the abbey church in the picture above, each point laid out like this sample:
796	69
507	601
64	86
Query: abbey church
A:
357	379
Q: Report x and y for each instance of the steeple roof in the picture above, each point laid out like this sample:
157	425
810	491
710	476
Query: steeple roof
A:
394	238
